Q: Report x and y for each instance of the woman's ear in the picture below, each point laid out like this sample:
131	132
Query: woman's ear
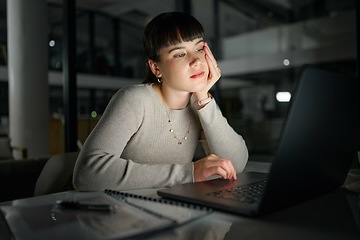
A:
154	68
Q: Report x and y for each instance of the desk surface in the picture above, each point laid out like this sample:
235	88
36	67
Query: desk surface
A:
332	216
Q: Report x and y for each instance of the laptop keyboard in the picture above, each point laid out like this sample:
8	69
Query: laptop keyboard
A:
247	194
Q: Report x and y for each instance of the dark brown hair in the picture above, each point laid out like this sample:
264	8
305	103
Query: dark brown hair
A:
168	29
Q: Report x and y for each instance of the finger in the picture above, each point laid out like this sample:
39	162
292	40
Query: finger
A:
225	164
209	53
233	175
230	170
212	65
216	171
214	72
212	58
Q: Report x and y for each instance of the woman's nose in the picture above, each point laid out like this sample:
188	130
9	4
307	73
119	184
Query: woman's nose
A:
196	60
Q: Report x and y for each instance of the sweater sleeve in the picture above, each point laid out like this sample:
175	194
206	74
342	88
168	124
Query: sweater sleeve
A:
220	138
100	166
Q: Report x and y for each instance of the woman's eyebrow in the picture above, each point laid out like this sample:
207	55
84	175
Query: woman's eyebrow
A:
200	41
182	47
176	48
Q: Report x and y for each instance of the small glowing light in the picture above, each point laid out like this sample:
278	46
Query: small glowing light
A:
286	62
93	114
52	43
283	96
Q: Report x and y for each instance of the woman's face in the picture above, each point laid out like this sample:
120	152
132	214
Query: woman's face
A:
183	66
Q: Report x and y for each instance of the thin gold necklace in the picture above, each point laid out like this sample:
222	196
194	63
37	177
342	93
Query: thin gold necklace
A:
180	140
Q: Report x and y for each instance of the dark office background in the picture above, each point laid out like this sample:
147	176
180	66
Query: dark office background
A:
270	40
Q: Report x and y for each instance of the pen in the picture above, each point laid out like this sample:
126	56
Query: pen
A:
85	206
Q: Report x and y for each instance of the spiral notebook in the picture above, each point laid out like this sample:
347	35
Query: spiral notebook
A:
130	216
176	211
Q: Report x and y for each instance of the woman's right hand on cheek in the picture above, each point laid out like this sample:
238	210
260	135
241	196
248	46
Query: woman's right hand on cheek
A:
213	165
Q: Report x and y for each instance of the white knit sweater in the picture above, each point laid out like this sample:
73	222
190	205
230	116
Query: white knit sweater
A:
131	147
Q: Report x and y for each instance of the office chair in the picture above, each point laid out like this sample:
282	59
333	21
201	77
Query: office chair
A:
56	176
7	149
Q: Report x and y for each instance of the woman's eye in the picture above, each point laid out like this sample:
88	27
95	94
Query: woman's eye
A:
200	50
180	55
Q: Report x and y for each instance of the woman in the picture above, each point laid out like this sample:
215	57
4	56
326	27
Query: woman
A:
149	133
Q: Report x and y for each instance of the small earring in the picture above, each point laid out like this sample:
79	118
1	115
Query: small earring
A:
159	80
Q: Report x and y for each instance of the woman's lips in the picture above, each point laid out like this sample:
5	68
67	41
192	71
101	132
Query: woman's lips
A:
197	75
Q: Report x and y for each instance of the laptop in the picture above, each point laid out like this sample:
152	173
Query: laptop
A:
317	146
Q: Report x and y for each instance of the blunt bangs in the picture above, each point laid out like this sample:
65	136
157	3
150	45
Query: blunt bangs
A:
170	29
183	30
